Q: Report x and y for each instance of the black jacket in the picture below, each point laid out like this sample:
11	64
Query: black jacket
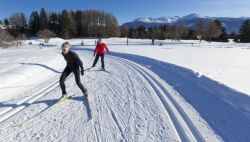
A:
73	60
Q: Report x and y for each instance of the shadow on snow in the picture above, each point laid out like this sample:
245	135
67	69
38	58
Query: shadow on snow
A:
41	65
226	110
50	103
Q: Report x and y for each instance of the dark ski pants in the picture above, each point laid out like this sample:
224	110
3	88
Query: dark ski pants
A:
67	71
96	59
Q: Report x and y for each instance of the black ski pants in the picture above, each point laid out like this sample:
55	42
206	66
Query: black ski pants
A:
96	59
66	72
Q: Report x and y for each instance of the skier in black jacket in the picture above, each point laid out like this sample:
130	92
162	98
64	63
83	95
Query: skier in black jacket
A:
73	65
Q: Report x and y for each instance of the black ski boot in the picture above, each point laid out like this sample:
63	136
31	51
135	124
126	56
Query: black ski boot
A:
85	94
63	95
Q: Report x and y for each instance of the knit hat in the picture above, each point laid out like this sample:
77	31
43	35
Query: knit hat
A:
65	45
99	40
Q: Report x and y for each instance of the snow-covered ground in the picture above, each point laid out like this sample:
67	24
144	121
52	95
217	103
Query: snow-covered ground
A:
227	63
174	92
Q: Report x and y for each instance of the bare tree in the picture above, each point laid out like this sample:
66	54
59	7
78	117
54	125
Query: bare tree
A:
213	31
124	31
112	26
18	23
200	30
180	31
46	34
152	35
167	32
72	24
5	38
172	33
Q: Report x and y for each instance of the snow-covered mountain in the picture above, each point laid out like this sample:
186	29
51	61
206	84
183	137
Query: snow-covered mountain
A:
231	24
151	22
190	17
157	20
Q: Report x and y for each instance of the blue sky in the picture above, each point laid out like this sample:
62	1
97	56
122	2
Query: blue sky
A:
128	10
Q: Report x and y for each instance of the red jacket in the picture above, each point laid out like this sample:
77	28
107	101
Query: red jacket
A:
100	48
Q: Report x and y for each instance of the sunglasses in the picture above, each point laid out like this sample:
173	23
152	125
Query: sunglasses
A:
64	49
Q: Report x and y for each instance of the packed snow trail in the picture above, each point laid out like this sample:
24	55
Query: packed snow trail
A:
124	102
186	130
224	109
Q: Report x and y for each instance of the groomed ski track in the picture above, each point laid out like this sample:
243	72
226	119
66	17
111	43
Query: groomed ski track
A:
128	103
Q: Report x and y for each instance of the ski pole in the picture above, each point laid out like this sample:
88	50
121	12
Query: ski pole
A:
91	59
88	63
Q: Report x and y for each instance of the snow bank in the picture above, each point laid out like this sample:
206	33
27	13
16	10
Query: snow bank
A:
27	67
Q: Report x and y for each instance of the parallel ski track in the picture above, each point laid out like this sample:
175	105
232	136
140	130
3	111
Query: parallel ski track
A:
20	105
185	128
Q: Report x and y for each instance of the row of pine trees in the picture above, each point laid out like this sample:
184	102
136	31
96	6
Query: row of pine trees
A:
94	24
66	24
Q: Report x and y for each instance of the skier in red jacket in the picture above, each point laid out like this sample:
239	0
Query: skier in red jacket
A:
99	51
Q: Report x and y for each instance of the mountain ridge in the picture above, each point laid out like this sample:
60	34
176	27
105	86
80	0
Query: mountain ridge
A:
232	24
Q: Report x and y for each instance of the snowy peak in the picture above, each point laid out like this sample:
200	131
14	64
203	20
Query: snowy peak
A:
168	20
144	20
157	20
191	16
245	17
231	24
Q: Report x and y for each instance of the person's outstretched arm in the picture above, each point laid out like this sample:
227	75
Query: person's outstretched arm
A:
106	47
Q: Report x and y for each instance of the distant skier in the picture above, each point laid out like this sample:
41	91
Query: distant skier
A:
73	65
99	51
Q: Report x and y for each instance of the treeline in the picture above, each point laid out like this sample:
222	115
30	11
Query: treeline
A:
211	31
95	24
66	24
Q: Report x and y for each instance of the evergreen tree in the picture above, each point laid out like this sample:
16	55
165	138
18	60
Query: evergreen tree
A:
65	22
163	32
152	33
89	23
233	36
23	22
132	33
245	32
54	23
223	37
6	22
142	32
43	20
79	23
34	23
190	35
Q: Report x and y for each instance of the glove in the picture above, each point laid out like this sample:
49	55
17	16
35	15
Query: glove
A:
82	72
